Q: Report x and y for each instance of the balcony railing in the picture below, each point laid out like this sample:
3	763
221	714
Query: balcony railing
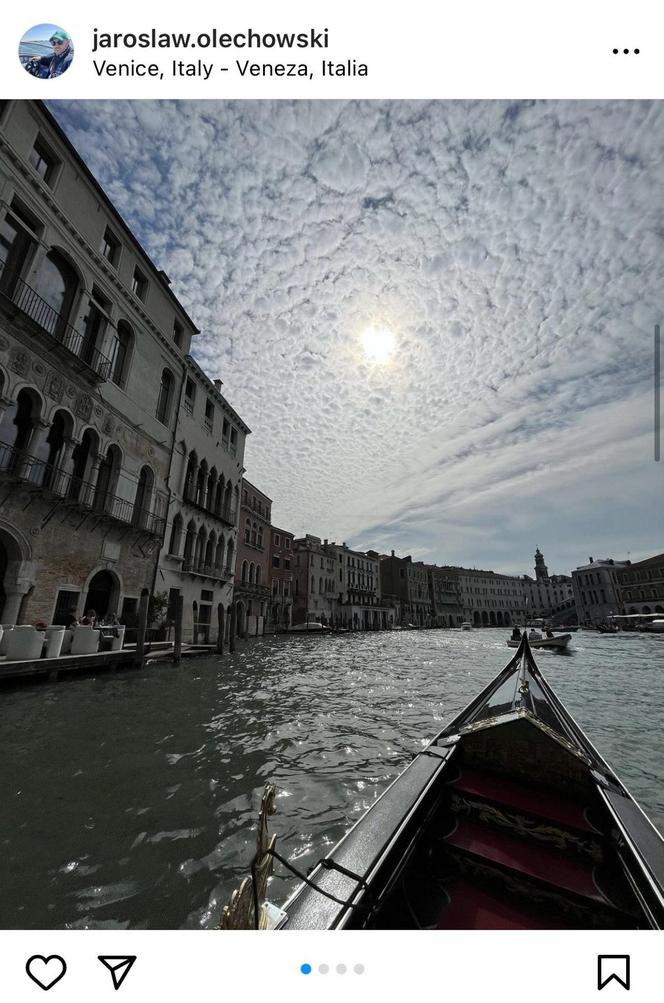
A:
19	465
227	514
207	570
30	303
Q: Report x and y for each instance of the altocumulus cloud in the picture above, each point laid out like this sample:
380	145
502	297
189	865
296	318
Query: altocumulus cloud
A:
515	252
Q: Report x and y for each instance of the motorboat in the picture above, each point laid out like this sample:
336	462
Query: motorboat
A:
466	625
309	627
508	819
557	643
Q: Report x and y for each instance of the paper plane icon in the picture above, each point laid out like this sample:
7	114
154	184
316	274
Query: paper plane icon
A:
119	965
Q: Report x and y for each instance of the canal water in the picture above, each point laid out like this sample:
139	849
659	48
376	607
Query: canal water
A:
129	800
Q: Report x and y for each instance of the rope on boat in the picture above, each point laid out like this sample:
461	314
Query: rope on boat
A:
328	865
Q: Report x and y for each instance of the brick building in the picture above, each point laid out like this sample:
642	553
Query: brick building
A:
252	576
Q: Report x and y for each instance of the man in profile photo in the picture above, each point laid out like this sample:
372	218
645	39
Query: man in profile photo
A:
63	53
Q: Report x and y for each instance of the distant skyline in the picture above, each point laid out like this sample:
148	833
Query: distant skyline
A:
511	254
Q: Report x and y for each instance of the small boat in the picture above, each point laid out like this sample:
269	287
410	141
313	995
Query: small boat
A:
508	819
309	627
558	643
655	627
466	625
565	630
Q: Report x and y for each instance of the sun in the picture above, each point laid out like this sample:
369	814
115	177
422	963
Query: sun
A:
378	344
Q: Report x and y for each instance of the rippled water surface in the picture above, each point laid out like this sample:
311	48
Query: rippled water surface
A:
129	800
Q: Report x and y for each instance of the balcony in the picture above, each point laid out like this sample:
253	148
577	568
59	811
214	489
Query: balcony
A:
207	570
16	465
23	298
227	514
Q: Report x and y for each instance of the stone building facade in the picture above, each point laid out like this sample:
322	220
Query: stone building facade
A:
92	347
200	547
317	590
252	577
596	591
641	586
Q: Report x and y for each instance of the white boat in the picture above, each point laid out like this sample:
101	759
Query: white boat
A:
309	627
655	627
466	625
558	643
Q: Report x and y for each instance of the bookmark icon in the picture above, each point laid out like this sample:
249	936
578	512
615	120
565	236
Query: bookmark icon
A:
119	965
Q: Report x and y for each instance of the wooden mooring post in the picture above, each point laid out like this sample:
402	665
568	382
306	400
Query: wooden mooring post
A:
177	643
220	629
143	606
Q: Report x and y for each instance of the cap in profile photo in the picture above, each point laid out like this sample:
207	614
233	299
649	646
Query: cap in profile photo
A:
46	51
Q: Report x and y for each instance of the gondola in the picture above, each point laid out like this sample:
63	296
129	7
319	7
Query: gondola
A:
508	819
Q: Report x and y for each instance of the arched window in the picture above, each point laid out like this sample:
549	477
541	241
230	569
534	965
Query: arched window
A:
219	496
121	353
260	536
245	569
199	556
141	514
190	477
252	573
58	433
259	575
28	407
253	533
211	489
201	483
165	400
230	553
176	536
107	479
84	455
56	283
209	552
189	546
219	554
247	531
313	584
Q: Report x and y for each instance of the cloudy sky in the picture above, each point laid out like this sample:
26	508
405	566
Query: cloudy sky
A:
513	253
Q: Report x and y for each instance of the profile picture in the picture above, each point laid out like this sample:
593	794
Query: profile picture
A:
46	50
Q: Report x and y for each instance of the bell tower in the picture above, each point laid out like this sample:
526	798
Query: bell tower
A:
541	570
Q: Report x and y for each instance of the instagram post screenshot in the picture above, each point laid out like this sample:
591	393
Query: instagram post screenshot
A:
331	501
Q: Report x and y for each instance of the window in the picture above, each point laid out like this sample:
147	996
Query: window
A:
276	539
44	160
122	349
209	416
233	440
276	562
139	284
96	322
165	399
287	543
18	238
56	283
110	247
178	334
225	429
189	396
287	563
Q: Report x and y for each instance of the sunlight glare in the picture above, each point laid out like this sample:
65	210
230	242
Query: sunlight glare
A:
378	344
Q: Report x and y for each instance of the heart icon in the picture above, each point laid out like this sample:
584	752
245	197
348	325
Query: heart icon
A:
46	971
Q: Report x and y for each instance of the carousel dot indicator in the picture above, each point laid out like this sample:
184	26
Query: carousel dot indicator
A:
305	969
341	969
323	969
358	969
